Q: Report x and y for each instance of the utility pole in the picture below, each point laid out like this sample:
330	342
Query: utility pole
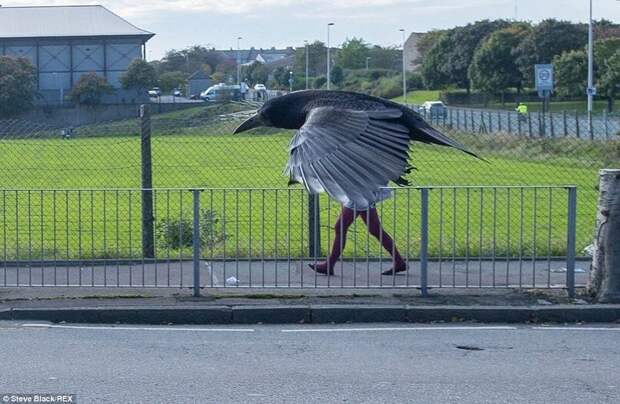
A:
367	59
329	79
404	69
306	43
239	59
590	73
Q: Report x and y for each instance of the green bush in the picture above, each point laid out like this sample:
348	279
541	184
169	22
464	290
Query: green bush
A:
178	233
319	82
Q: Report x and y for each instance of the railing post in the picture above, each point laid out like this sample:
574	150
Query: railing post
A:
148	234
424	242
577	124
570	241
314	226
196	241
565	123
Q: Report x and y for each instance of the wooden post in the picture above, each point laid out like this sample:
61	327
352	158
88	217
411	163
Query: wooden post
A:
605	277
148	234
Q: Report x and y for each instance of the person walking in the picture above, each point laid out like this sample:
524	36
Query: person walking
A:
370	217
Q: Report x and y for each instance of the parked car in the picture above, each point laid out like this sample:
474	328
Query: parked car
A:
260	87
177	93
221	92
155	92
434	109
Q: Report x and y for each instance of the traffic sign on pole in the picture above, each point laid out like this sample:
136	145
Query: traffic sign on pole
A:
544	77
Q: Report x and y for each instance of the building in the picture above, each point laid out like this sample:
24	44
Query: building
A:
268	57
412	54
65	42
198	82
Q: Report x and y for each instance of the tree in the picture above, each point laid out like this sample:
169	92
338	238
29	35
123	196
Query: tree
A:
493	69
319	82
352	54
546	40
317	59
426	42
337	75
139	76
17	85
571	73
254	73
385	57
89	89
190	59
610	79
170	80
448	60
281	76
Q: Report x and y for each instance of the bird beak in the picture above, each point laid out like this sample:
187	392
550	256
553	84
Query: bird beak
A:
251	123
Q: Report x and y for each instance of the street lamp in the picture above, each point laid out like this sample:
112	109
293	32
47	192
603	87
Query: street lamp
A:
590	90
328	60
367	59
239	38
404	69
306	45
290	82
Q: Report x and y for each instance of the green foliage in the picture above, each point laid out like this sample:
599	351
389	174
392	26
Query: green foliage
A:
353	53
255	73
89	89
547	40
281	76
385	57
337	75
139	76
170	80
17	85
448	60
190	60
317	59
426	42
610	80
177	233
319	82
493	68
571	73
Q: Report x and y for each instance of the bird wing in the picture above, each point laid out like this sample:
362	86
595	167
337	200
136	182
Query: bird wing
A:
349	154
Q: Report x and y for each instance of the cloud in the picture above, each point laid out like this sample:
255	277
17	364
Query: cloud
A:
313	8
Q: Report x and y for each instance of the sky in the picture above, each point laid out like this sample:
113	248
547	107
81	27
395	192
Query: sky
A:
281	23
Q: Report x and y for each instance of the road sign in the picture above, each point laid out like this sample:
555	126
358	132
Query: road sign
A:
591	91
544	77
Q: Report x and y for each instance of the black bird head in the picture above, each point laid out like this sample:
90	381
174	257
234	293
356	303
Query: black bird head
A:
285	112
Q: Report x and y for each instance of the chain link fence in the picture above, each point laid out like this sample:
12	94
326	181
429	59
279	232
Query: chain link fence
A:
195	148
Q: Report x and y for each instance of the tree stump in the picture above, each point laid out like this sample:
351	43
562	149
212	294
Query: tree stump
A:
605	277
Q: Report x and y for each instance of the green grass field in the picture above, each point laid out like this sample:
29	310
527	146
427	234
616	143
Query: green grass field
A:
107	224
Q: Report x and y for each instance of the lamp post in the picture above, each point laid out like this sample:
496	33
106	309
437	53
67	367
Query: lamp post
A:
367	59
239	38
404	69
306	44
590	90
290	81
328	60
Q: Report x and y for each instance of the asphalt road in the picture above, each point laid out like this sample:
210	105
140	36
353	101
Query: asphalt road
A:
308	364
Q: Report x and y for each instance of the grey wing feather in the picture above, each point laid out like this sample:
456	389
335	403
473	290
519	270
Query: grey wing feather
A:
349	154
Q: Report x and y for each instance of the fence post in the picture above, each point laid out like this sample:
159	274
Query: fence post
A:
499	121
458	126
509	115
314	226
424	242
577	123
565	127
570	241
551	125
148	242
606	122
196	241
529	124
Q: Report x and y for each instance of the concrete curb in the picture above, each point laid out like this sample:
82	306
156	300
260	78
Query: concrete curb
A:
318	314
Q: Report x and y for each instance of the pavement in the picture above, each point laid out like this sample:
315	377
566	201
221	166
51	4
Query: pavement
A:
373	363
294	274
298	306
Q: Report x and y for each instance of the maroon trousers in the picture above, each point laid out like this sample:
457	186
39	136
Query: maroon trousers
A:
371	219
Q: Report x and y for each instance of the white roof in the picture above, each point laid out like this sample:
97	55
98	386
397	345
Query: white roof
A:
64	21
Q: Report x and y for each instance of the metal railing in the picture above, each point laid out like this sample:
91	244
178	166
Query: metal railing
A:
484	236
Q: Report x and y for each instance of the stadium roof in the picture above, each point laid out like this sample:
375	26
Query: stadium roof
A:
64	21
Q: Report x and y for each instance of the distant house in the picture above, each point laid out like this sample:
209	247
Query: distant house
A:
65	42
412	54
198	82
267	57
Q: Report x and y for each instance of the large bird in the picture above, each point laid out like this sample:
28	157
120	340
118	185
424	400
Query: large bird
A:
347	144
